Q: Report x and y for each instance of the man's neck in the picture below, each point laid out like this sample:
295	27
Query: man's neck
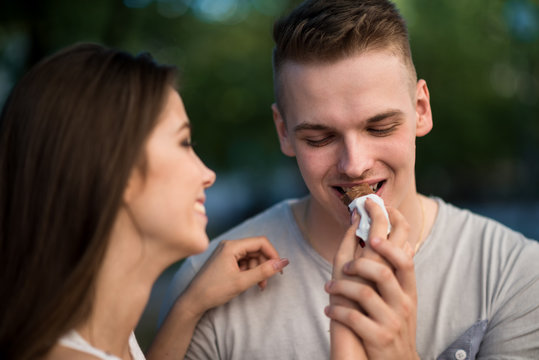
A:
324	232
321	230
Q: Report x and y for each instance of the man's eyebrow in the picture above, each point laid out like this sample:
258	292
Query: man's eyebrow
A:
310	126
374	119
384	115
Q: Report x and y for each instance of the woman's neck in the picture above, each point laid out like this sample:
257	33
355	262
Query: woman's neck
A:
123	287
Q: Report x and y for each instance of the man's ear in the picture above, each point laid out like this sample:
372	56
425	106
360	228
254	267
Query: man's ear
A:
282	132
422	108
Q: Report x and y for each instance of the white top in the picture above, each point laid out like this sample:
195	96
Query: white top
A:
74	341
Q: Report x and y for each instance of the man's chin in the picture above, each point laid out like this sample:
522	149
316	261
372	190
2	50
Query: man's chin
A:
334	210
341	215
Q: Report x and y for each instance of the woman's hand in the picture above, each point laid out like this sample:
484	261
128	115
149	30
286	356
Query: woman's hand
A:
380	282
234	266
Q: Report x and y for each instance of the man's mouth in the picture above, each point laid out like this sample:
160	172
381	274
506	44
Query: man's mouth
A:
374	187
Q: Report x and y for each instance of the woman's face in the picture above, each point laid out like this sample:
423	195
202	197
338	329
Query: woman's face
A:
166	203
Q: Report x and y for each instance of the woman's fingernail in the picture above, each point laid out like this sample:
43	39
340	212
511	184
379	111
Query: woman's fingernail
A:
326	310
280	264
375	241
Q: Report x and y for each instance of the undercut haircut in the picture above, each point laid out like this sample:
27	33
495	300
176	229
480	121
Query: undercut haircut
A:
325	31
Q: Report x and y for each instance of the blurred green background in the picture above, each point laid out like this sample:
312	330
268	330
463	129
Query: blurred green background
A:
480	60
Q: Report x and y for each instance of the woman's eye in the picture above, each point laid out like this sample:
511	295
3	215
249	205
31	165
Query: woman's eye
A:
187	143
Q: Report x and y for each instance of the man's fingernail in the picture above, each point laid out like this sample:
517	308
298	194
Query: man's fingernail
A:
330	284
361	242
354	216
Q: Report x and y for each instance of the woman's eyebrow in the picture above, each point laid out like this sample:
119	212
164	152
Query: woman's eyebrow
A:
184	125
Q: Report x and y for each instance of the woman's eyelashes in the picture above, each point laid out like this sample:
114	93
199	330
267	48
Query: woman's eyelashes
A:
187	143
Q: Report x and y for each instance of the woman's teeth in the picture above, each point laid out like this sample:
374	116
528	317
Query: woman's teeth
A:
200	207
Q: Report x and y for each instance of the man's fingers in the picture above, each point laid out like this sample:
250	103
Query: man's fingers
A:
379	222
408	249
400	229
348	245
360	323
402	262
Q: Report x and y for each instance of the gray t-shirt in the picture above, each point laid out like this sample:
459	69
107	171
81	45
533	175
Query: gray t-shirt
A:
478	294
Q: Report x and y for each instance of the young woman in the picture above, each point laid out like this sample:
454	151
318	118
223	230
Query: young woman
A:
100	191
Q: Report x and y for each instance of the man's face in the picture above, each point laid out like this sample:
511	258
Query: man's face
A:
350	122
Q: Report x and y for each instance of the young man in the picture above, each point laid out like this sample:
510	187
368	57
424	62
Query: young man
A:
349	108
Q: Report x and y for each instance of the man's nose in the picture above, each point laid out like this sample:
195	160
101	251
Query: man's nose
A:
355	157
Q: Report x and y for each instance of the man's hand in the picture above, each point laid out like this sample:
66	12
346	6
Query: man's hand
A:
379	282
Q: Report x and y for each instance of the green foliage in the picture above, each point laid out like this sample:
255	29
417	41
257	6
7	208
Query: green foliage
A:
485	97
480	60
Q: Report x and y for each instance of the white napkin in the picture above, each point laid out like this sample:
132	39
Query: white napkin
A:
365	221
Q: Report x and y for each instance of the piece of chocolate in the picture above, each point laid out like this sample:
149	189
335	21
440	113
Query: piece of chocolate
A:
356	191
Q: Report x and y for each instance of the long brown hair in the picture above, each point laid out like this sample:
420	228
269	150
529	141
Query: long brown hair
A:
71	132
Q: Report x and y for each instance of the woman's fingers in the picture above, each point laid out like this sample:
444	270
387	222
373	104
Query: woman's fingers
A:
258	257
245	248
234	266
243	264
252	262
261	272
